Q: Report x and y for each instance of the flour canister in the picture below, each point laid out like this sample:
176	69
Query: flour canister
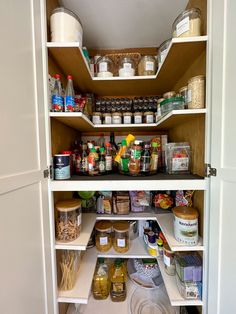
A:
186	225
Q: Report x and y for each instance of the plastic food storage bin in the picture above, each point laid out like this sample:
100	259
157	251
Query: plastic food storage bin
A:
174	103
178	157
189	290
187	24
189	266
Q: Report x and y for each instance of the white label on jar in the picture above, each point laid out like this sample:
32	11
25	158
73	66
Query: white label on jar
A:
186	231
180	164
163	54
149	66
189	97
116	120
79	220
107	119
121	242
137	119
182	26
103	241
166	260
97	120
127	66
127	119
149	118
103	67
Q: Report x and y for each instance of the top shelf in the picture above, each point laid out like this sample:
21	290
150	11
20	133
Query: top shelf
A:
181	54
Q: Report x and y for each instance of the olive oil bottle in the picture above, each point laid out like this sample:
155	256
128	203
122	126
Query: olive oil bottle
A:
118	281
101	281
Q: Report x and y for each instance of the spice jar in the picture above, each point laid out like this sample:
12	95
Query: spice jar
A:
126	67
107	118
127	117
169	260
121	236
170	94
97	118
187	24
103	237
68	220
116	117
196	92
135	158
162	51
147	66
138	117
105	67
148	117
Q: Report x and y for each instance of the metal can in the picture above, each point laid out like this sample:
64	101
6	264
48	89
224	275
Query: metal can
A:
61	167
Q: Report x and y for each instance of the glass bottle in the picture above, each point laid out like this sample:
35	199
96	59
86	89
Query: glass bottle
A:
118	282
57	98
154	158
69	95
93	162
108	158
102	161
114	149
145	159
101	281
101	140
84	160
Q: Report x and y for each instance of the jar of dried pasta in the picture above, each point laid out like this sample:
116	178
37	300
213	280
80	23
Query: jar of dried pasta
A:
121	236
103	237
147	66
196	92
68	220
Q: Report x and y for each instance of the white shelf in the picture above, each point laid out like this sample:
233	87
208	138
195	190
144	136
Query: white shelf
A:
57	44
165	222
81	291
172	290
146	215
88	221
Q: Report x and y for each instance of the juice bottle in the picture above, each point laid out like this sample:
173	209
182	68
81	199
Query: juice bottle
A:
101	281
118	282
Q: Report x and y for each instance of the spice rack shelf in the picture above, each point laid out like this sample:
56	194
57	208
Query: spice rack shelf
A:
165	222
182	52
81	291
88	221
80	122
172	290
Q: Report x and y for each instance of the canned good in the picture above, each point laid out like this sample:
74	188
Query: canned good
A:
61	164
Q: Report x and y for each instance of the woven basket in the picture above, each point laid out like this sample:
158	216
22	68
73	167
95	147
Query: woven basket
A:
116	57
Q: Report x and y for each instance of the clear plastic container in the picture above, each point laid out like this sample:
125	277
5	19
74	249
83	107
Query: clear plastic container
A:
169	260
196	92
105	67
189	266
147	66
178	157
162	51
189	290
68	220
69	264
121	236
103	236
126	67
187	24
175	103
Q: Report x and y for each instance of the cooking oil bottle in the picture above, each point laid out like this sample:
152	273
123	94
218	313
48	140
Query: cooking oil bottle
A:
101	281
118	281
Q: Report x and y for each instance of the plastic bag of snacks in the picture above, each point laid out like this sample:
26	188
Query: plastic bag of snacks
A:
178	157
139	200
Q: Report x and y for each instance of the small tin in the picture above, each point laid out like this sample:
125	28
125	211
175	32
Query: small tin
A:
62	167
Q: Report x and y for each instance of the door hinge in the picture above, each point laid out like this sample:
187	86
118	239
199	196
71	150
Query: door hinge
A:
209	171
47	173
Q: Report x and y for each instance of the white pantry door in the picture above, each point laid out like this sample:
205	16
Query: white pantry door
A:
222	211
25	259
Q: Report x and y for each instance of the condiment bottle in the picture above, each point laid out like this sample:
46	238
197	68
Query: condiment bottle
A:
70	95
160	246
93	162
154	158
57	99
108	158
125	144
145	159
101	281
84	160
102	161
118	282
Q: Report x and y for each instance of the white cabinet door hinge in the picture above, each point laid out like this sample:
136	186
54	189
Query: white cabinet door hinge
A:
47	173
209	171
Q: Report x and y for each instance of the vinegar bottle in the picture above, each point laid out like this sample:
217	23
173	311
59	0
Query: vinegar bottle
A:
70	95
57	98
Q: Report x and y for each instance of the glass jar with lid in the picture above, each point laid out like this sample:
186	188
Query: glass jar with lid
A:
105	67
138	117
187	24
170	94
121	236
147	66
69	261
162	51
68	220
116	118
97	118
196	92
169	260
126	67
127	117
107	118
103	237
148	117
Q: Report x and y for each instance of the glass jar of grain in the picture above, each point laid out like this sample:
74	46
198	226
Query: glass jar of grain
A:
196	92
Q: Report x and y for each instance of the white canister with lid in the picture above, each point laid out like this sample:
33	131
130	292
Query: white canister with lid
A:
65	26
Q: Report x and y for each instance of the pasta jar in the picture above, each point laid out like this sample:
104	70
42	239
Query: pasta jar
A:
105	67
127	117
121	236
97	118
196	92
126	67
103	235
169	260
69	265
138	117
116	118
107	118
68	220
147	66
148	117
187	24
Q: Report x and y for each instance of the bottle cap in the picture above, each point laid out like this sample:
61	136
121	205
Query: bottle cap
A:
130	138
108	144
102	149
69	77
57	76
118	262
123	143
154	144
93	150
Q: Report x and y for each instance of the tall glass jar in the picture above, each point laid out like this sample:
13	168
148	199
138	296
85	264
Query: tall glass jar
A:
187	24
121	236
147	66
126	67
103	237
105	67
196	92
69	264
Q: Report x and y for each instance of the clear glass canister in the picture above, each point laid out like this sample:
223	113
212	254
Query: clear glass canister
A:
69	264
103	237
162	51
68	220
121	236
107	118
138	117
97	118
187	24
148	117
196	92
116	118
127	117
105	67
169	260
126	67
147	66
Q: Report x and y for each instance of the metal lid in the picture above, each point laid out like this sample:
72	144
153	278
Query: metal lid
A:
64	10
68	205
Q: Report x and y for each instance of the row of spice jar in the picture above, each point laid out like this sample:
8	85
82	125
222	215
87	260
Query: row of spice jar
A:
123	118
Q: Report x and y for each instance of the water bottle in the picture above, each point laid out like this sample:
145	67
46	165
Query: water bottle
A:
70	95
57	98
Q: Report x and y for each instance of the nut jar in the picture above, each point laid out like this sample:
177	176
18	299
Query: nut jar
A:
147	66
170	94
105	67
126	67
169	260
103	236
183	91
187	24
68	220
196	92
121	236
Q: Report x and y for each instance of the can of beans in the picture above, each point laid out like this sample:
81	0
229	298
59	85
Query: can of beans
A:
62	166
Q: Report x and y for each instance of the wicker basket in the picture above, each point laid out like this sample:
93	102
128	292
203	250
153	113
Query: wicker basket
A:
116	57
